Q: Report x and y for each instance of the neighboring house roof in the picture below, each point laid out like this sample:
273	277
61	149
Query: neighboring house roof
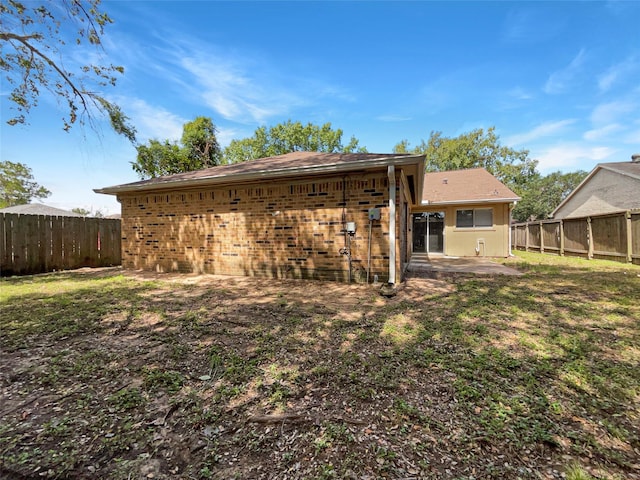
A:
39	209
295	164
474	185
627	169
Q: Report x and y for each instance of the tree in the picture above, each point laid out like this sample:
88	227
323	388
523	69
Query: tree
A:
475	149
289	137
199	148
34	37
200	143
17	186
81	211
543	194
88	213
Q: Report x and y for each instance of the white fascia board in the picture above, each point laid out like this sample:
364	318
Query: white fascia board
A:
470	202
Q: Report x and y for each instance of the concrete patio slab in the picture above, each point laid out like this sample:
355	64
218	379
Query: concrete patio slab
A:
432	264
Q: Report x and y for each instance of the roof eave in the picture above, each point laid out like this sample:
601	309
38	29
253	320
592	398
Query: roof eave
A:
470	202
262	175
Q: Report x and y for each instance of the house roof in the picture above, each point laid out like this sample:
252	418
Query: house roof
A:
295	164
39	209
627	169
474	185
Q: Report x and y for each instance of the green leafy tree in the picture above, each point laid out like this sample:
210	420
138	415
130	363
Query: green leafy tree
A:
35	37
200	143
88	213
477	148
17	186
289	137
81	211
543	194
198	149
159	158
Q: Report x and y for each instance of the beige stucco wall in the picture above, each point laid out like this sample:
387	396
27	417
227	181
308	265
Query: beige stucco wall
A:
462	242
289	228
605	192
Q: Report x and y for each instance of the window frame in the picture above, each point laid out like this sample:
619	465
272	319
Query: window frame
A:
473	224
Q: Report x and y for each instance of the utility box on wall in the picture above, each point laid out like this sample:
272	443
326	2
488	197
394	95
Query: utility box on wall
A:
374	214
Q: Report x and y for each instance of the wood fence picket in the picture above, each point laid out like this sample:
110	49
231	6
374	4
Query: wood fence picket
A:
613	236
42	243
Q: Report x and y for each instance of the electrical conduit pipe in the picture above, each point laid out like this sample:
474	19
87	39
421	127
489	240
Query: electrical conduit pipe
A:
391	173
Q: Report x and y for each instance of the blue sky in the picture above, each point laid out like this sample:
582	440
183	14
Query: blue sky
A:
560	79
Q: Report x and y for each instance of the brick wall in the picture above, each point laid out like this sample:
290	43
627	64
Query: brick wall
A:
276	229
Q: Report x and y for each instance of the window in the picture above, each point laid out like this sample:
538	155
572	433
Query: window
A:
476	218
464	218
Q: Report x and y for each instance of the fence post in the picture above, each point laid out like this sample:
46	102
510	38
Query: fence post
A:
589	239
629	237
526	237
561	237
541	237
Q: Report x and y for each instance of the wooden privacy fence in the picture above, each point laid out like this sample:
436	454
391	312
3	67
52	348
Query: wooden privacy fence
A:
41	243
614	236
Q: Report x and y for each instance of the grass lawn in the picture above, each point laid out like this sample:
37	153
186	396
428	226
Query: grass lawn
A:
126	376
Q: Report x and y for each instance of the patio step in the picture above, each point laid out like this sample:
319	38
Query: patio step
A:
420	259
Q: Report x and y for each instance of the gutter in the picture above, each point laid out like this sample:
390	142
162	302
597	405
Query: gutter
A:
265	174
469	202
391	173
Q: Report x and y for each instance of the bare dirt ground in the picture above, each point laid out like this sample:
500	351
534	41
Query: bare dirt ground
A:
184	376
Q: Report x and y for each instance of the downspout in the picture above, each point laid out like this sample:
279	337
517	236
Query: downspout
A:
511	207
391	173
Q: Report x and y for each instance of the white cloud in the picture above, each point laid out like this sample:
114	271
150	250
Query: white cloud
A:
152	121
228	89
543	130
225	135
560	80
602	133
249	91
618	73
240	86
570	156
611	112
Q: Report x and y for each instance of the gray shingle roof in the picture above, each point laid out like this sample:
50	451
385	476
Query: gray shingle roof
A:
39	209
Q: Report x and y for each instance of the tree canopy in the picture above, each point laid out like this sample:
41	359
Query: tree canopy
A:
198	148
478	148
544	193
289	137
35	37
17	186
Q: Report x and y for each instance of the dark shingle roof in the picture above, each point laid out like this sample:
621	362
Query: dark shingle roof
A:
290	164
